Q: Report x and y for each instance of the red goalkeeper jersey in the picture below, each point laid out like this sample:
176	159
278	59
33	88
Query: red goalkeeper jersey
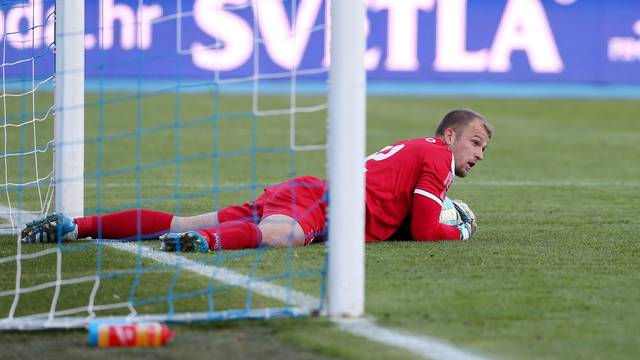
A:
409	179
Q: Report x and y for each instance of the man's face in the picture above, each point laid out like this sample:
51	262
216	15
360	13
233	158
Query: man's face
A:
467	145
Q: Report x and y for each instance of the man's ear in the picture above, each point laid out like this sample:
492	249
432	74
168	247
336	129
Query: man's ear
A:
449	136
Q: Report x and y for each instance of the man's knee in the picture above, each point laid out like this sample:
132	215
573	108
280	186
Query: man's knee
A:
281	231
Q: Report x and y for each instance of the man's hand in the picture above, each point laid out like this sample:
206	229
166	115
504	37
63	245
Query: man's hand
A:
468	227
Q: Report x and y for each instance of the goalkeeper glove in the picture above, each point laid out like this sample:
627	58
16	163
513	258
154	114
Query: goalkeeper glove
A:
468	227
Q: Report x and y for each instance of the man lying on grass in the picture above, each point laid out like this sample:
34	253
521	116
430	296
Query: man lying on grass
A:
406	182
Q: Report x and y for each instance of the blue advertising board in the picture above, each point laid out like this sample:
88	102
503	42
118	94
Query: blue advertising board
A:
437	41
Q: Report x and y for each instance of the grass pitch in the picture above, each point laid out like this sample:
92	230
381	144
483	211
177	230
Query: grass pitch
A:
552	273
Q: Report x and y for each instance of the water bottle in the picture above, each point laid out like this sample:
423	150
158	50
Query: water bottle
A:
110	334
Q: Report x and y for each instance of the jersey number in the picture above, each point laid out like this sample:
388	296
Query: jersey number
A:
381	155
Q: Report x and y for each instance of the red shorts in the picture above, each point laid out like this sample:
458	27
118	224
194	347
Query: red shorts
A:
301	198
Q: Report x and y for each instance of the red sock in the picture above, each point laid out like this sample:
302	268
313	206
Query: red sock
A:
125	225
233	235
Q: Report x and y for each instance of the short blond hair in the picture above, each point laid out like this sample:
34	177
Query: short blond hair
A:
459	119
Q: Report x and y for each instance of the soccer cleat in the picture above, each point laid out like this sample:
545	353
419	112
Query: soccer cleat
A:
186	242
48	228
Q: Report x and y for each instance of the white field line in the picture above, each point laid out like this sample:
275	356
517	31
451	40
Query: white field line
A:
423	346
506	183
566	183
426	347
221	274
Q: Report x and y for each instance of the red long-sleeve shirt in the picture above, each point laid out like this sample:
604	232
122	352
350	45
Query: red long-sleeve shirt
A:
409	178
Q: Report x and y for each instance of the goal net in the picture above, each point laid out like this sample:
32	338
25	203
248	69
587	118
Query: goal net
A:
186	107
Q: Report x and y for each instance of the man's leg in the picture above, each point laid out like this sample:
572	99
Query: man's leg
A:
131	224
229	235
128	224
233	227
274	213
193	223
278	209
125	225
275	230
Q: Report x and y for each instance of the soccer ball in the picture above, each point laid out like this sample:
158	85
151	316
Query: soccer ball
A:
449	215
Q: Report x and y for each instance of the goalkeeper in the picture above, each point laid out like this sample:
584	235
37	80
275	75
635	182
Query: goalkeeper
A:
406	182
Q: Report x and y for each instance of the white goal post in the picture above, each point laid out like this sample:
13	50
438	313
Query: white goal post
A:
346	154
69	108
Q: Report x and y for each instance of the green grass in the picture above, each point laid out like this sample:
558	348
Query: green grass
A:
552	273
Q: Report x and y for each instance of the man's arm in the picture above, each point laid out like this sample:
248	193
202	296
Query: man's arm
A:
469	225
425	221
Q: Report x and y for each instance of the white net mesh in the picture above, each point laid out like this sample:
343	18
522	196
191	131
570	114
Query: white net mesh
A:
190	106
